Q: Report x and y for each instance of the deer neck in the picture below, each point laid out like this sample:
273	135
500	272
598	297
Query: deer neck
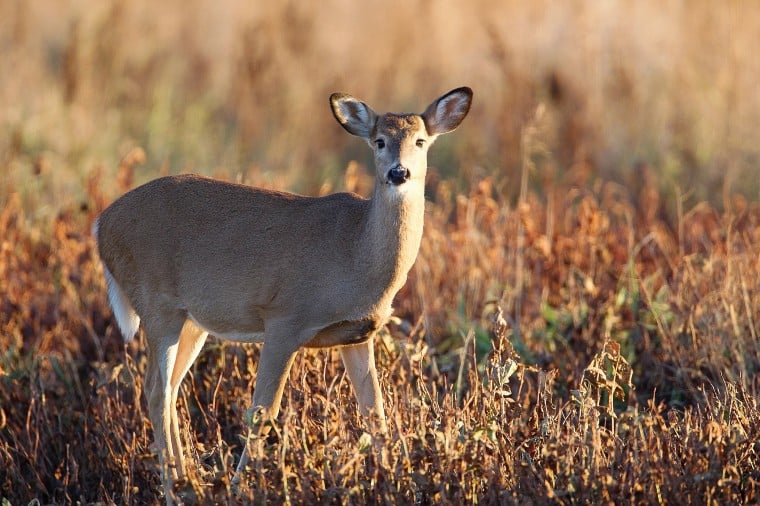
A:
393	234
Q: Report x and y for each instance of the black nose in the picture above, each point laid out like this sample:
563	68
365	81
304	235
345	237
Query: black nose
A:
398	175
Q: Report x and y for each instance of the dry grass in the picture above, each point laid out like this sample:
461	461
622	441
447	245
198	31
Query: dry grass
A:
472	420
581	325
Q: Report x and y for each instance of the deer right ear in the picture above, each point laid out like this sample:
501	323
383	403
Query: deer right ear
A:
354	115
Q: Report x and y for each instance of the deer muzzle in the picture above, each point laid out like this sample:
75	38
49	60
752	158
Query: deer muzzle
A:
398	175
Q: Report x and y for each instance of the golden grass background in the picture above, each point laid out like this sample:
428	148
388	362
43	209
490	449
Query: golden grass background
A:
593	232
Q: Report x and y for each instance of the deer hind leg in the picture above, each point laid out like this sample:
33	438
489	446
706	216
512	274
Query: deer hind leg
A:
359	360
163	342
191	341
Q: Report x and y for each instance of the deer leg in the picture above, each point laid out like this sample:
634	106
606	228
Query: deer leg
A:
274	365
191	341
162	336
152	389
161	358
359	360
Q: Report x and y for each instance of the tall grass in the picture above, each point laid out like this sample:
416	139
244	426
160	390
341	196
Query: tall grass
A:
581	324
633	377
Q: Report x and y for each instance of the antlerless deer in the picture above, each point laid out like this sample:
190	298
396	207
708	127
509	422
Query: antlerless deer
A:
189	256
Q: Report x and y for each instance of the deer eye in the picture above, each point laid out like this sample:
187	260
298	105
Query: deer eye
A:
380	143
420	143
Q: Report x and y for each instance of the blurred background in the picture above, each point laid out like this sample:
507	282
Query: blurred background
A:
579	91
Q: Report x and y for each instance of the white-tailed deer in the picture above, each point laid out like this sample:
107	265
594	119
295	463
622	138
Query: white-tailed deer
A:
189	256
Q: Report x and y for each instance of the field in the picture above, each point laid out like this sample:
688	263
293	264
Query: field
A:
582	322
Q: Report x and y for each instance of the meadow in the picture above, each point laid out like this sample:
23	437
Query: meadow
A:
581	325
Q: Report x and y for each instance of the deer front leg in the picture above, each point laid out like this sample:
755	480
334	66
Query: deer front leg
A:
274	365
359	360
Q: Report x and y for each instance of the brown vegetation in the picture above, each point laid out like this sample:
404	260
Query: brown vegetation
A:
581	325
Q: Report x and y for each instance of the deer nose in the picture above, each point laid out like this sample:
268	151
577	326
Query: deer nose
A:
398	175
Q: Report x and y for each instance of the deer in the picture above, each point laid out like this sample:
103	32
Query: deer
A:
186	256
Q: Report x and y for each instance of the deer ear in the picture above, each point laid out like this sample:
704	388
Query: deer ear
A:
354	115
447	112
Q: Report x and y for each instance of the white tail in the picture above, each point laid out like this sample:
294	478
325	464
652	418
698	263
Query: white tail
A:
126	317
189	256
125	314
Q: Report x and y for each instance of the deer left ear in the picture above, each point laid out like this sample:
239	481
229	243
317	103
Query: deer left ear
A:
447	112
